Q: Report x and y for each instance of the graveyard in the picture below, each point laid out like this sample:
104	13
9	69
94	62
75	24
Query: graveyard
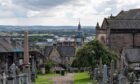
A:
112	57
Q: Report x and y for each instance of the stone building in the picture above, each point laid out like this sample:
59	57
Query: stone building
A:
120	31
60	55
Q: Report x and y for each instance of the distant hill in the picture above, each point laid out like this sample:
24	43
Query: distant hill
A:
40	28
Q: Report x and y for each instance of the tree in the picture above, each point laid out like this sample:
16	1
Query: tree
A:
90	54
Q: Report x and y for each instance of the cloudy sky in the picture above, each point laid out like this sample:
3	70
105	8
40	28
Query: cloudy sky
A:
60	12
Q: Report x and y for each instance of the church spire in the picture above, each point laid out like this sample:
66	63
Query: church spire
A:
79	26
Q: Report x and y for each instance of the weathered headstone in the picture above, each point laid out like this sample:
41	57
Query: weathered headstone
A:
4	78
122	79
105	76
100	71
95	74
33	69
12	76
111	71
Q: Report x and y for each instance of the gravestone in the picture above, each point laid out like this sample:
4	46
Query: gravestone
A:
3	78
95	75
100	72
12	75
111	71
33	69
122	79
105	76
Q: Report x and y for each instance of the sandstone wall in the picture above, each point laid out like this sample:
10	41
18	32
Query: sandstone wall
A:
119	41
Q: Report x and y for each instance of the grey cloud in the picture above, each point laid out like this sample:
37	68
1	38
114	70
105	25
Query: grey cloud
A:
112	4
39	4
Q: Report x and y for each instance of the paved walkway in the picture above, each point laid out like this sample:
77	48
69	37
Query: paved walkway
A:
67	79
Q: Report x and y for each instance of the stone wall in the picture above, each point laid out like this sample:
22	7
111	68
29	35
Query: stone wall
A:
119	41
101	36
137	39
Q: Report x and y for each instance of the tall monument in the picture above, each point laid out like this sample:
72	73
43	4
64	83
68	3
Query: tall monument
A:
26	68
26	49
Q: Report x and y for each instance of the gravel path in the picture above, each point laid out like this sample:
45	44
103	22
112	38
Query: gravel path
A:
67	79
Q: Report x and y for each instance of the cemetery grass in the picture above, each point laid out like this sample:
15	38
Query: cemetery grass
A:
44	79
82	78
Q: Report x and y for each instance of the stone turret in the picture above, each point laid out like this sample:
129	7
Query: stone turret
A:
97	26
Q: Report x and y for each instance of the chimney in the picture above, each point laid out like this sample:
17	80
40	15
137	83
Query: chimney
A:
26	48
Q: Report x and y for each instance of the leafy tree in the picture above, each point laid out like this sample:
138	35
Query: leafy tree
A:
90	54
48	65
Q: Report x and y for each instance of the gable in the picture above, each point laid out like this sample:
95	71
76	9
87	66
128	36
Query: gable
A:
104	25
55	56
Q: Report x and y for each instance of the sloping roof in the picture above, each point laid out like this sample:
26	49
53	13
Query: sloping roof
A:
124	20
62	50
48	50
123	24
131	14
66	50
5	45
132	55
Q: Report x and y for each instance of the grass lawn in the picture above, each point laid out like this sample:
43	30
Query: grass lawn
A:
43	79
82	78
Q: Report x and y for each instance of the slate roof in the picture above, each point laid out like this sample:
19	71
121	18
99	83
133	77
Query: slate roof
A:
66	50
48	50
132	55
5	45
131	14
123	24
62	50
124	20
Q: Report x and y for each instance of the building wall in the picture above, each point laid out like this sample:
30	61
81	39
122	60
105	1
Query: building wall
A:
119	41
137	39
55	56
101	36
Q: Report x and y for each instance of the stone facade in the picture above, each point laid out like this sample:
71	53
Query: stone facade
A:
60	54
121	31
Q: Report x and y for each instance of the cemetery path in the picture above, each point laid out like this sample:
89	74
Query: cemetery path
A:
67	79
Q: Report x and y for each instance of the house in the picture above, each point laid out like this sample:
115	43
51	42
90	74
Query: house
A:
61	55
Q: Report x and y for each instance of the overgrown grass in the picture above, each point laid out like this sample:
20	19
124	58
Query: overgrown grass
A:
43	79
82	78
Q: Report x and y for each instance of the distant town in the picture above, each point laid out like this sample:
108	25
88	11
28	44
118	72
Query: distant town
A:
47	35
